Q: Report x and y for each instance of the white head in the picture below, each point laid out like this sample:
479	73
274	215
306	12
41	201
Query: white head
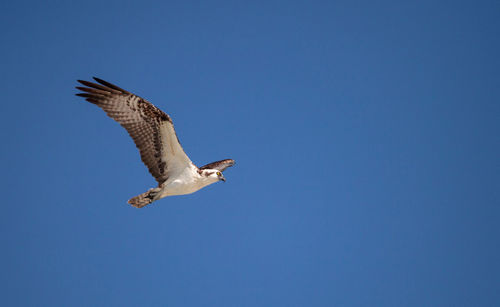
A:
212	175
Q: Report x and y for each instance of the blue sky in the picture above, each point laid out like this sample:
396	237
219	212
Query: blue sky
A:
365	136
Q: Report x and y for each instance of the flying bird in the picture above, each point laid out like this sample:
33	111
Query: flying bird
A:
154	135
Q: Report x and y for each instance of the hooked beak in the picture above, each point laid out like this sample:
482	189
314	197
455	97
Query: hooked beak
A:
222	178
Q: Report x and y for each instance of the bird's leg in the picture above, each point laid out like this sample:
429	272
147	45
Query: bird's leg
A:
154	193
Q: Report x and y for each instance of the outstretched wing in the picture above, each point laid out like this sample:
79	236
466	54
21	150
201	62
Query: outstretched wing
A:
151	129
219	165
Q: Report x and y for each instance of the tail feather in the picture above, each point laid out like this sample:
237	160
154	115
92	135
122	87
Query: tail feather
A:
144	199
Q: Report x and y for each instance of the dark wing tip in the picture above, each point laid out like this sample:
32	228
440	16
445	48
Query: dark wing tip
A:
99	80
230	162
85	95
110	85
86	83
220	165
103	89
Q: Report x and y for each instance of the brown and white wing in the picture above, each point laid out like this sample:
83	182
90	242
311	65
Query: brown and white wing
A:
151	129
219	165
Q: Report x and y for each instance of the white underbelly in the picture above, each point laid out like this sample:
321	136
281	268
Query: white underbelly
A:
178	187
187	182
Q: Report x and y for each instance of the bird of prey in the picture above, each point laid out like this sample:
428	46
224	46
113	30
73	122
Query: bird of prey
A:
153	133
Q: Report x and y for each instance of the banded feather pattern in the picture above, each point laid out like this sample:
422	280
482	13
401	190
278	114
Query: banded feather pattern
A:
151	129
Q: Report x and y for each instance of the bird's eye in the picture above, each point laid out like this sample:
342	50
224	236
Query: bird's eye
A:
219	173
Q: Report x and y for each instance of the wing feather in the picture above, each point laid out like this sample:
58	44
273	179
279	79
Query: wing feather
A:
219	165
151	129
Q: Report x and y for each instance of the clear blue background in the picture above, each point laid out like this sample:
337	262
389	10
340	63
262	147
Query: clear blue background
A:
366	136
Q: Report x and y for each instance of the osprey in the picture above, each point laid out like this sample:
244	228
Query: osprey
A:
153	133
